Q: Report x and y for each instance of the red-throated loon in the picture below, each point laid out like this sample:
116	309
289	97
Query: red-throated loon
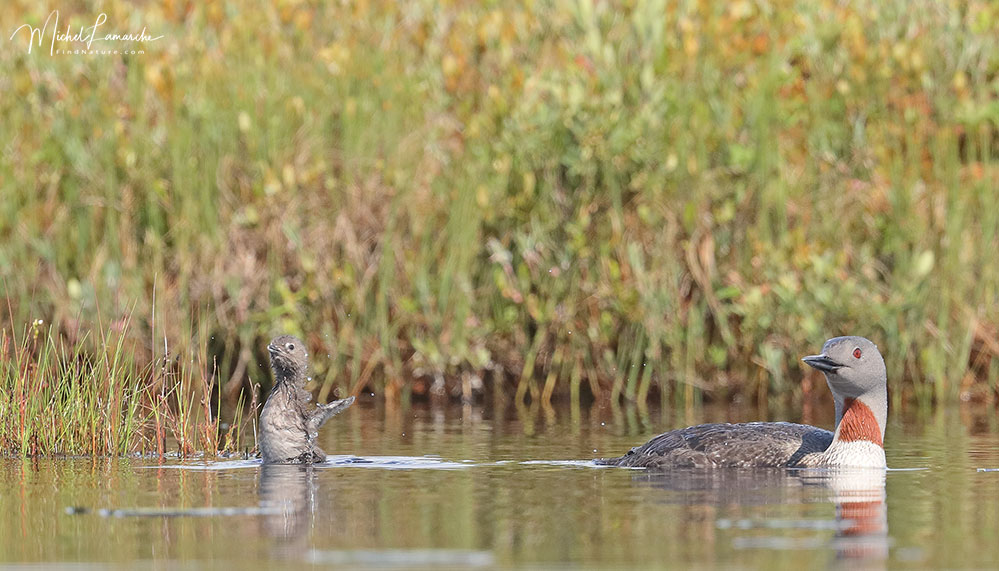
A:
288	424
855	372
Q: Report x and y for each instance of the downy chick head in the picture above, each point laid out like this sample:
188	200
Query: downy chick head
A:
289	359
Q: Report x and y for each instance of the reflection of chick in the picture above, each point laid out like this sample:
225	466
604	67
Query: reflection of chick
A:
287	491
288	428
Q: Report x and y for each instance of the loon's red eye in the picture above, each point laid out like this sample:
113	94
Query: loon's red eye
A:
856	353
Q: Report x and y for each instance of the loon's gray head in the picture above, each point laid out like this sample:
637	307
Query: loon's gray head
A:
289	359
853	366
856	374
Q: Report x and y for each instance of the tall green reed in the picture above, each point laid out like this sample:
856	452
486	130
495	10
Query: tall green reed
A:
95	398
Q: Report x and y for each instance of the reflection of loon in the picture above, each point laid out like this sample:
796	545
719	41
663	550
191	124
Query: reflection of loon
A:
860	523
857	377
859	496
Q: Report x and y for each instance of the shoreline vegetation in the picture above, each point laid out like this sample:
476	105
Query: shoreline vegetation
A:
630	203
97	399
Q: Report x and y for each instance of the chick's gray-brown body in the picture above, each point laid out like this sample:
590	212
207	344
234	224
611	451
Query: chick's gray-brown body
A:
856	375
289	425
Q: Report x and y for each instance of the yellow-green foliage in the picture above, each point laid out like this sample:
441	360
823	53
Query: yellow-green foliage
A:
624	196
56	399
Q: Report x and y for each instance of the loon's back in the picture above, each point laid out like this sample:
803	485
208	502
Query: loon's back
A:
745	445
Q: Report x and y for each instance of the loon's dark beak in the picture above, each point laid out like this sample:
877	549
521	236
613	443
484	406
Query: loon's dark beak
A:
822	363
272	349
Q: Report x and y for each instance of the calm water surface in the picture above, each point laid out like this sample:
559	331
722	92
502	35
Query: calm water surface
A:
513	488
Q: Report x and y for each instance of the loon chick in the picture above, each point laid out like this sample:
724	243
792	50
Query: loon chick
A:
856	375
288	425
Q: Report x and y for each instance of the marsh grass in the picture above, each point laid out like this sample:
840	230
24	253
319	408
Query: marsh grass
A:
95	399
588	200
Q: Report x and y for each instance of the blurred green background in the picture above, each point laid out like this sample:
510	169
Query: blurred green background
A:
644	200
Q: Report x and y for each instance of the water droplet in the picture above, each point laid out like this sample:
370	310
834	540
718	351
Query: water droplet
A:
603	424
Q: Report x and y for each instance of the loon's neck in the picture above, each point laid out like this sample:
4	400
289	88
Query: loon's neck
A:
859	436
838	401
858	423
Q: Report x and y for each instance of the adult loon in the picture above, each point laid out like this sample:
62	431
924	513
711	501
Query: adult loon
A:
856	375
288	424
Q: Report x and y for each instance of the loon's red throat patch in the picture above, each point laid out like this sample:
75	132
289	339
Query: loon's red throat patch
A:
859	423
